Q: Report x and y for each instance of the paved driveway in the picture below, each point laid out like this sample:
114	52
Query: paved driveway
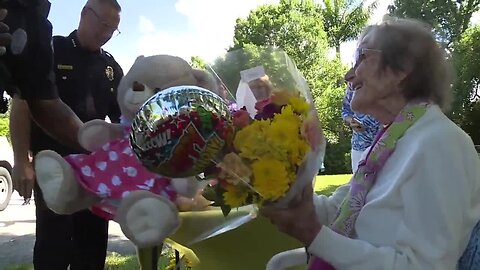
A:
17	234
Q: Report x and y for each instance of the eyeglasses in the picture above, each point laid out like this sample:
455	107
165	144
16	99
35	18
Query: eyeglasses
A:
113	29
361	54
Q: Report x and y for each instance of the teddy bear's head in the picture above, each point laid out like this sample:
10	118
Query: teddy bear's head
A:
151	74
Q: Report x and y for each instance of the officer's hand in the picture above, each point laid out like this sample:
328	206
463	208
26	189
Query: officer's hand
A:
5	37
23	177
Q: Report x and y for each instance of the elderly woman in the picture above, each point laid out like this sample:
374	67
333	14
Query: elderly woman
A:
415	198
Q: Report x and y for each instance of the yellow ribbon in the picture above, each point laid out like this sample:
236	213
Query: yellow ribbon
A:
185	252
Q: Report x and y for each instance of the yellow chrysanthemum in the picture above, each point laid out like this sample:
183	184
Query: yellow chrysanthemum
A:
299	105
288	114
235	196
291	176
254	152
283	131
243	137
250	141
270	178
298	150
259	125
250	134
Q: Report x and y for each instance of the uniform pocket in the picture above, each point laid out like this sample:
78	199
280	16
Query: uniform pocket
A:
71	87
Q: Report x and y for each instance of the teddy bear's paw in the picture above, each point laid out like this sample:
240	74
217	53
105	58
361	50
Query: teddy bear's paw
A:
95	133
50	177
61	192
147	219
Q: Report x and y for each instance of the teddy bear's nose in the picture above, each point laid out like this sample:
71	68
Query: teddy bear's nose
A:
138	87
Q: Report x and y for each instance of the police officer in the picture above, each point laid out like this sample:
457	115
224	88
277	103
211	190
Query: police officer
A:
86	78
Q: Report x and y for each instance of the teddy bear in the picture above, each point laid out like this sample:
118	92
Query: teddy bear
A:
111	180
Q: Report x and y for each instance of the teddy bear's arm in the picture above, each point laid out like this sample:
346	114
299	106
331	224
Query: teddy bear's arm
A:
95	133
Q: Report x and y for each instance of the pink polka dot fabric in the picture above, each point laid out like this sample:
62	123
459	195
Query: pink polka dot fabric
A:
114	171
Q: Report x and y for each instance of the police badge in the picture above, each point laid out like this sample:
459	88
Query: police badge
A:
109	73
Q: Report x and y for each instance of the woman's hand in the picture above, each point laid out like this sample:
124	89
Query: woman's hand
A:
299	220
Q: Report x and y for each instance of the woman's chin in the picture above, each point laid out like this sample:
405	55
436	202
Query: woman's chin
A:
358	106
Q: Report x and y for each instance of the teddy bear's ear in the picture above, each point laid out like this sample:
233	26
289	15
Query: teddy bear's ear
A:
205	80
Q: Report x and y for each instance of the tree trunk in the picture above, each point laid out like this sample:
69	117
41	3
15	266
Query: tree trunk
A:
337	50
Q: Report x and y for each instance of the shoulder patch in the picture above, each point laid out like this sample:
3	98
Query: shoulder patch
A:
109	73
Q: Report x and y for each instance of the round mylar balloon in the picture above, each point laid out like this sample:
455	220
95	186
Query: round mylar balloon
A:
181	131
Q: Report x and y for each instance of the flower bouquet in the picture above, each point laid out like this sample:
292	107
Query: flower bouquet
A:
278	145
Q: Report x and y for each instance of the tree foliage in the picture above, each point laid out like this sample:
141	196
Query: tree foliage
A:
198	62
449	18
344	20
281	69
293	25
4	124
4	130
329	105
467	85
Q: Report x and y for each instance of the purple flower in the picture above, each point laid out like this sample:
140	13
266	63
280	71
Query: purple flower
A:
233	106
268	111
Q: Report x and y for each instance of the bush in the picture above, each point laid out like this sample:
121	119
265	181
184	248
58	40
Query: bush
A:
337	158
4	129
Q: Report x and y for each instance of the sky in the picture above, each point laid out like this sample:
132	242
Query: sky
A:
179	27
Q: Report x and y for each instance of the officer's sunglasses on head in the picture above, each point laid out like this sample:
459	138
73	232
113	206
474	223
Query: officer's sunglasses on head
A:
114	29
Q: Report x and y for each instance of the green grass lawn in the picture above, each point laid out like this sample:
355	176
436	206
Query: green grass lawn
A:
325	184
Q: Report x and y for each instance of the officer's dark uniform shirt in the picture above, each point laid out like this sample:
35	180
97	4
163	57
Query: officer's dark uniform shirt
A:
30	73
87	82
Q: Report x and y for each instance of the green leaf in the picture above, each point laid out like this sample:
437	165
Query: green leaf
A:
210	194
225	209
